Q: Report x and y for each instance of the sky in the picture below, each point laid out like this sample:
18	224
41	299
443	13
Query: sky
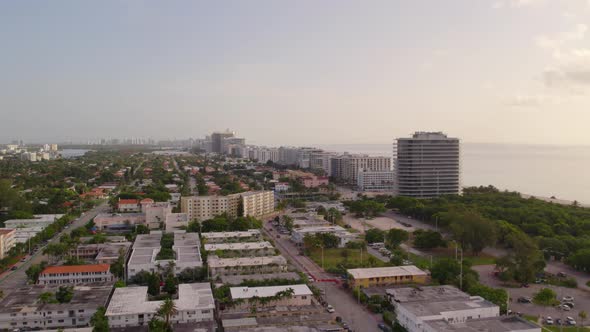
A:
296	72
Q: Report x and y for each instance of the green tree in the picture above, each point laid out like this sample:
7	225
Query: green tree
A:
153	283
445	271
545	297
99	321
395	237
472	230
287	222
374	235
64	294
523	262
34	271
166	310
427	239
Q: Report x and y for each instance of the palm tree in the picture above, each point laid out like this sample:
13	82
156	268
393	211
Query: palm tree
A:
166	310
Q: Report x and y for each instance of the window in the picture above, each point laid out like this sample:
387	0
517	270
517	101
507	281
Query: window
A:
60	321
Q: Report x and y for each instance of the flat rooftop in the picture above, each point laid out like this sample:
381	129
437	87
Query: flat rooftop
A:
238	246
186	240
245	261
134	300
380	272
432	308
252	193
321	229
146	247
495	324
240	278
26	299
221	235
268	291
151	240
426	293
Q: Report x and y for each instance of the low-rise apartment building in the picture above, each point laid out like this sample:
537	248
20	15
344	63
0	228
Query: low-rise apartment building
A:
76	274
246	265
186	248
23	308
240	249
101	253
383	276
251	235
300	295
254	203
7	241
131	307
28	228
118	221
344	236
446	308
128	205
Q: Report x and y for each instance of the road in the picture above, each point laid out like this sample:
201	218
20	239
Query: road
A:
354	314
14	279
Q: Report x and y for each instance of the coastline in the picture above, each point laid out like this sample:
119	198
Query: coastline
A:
555	200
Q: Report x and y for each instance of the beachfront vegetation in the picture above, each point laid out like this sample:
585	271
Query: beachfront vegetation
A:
485	216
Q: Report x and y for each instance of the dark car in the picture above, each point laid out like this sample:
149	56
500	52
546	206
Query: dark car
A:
14	268
383	327
524	300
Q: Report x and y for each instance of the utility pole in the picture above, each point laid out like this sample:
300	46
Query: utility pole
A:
461	274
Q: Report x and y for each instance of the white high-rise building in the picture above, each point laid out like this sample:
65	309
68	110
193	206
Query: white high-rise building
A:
346	167
427	165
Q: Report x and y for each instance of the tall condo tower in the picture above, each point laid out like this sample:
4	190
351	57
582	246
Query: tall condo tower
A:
427	165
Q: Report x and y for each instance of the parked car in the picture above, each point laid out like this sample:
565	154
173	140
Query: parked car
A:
14	268
330	309
570	321
549	320
558	322
565	307
569	304
383	327
524	300
568	299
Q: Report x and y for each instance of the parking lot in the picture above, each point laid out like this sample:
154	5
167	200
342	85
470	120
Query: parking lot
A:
581	297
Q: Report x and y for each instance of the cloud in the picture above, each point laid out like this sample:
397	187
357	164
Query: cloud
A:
530	101
499	4
557	42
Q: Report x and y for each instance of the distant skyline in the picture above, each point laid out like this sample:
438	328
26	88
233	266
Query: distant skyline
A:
296	73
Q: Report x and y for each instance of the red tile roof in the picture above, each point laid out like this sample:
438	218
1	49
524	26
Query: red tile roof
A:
146	200
77	268
128	201
6	231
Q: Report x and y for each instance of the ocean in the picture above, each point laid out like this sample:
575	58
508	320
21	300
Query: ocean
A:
544	171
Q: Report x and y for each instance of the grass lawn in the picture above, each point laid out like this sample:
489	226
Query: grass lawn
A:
350	258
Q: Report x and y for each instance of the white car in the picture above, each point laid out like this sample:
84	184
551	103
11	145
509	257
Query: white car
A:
565	307
570	321
330	309
568	299
549	320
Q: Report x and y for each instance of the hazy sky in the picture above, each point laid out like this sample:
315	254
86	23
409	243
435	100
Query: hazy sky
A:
296	72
